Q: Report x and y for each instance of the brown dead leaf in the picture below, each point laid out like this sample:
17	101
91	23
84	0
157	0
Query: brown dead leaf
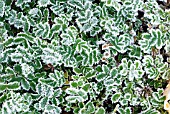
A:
168	1
166	93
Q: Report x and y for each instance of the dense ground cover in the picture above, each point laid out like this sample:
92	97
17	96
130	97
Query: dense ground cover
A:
84	56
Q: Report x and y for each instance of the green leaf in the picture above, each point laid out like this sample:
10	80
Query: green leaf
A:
57	92
82	20
113	73
2	8
108	2
43	3
88	14
42	30
72	91
38	64
115	97
109	82
99	68
9	71
81	45
9	42
3	98
128	110
100	110
33	85
105	69
90	74
26	37
19	40
74	99
77	70
1	68
3	87
17	68
146	36
13	86
90	107
43	102
25	84
135	52
74	84
46	81
86	87
56	110
101	76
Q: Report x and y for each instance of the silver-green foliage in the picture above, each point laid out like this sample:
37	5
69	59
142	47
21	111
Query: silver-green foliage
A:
83	56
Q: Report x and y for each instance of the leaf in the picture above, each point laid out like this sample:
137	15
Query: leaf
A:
38	64
9	71
74	84
86	27
57	8
127	96
81	45
1	68
57	92
101	76
135	52
113	73
95	31
17	68
88	14
108	2
116	5
46	81
55	109
115	97
128	110
90	74
157	35
3	98
118	44
42	30
25	84
72	91
35	97
86	87
43	102
26	37
8	42
80	83
2	8
105	69
3	87
100	110
74	99
55	29
109	82
16	57
90	107
77	70
19	40
13	86
82	20
43	3
146	36
82	93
